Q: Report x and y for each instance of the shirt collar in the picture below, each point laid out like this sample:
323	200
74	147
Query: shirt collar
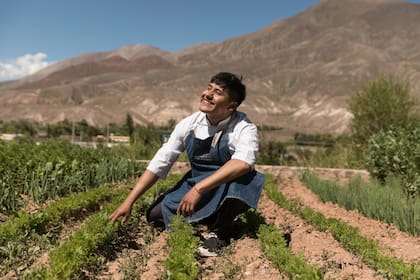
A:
221	124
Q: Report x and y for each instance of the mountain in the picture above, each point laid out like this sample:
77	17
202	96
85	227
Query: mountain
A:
299	71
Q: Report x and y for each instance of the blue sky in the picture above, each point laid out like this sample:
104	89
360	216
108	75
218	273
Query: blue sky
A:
34	34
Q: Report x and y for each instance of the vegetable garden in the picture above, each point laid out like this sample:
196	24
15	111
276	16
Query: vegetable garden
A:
69	236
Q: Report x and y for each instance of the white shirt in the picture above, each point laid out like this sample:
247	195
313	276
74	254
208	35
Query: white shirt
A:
242	135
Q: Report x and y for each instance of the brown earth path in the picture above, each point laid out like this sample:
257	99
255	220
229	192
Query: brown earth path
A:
318	248
131	260
246	261
145	262
321	248
395	242
158	253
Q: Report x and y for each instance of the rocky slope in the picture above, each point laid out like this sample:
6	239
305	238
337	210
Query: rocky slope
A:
299	71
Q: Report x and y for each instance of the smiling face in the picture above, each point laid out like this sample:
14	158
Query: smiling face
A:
215	102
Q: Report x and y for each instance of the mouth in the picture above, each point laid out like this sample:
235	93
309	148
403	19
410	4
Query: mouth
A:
205	101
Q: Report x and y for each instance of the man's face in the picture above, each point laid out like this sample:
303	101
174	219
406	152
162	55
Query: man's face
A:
215	102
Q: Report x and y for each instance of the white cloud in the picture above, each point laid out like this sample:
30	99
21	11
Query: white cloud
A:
22	66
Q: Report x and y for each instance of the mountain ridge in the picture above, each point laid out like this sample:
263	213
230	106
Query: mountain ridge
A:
299	71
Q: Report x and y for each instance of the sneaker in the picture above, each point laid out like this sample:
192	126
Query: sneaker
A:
212	245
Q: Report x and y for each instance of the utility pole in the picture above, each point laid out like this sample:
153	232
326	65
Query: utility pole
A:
107	135
72	132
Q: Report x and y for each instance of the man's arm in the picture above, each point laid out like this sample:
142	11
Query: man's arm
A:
158	167
231	170
146	180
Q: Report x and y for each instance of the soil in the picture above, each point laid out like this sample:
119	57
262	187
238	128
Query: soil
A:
393	241
243	259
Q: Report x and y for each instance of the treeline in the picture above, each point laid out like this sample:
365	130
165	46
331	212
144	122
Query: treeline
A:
145	139
81	129
65	127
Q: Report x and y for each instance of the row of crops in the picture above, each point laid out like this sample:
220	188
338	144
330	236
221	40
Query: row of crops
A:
82	187
82	251
25	237
57	168
182	265
385	202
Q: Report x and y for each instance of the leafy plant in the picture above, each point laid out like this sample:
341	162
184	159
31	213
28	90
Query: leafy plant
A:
57	168
396	152
181	263
271	153
380	104
25	223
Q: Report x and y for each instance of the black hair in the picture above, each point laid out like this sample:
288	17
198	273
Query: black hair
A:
232	84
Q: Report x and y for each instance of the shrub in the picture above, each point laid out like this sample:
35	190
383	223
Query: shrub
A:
379	105
396	152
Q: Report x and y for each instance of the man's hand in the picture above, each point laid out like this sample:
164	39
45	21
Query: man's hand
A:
187	205
146	180
124	210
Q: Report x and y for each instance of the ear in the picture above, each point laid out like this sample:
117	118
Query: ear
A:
232	106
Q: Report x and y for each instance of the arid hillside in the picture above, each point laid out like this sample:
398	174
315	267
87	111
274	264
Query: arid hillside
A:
300	71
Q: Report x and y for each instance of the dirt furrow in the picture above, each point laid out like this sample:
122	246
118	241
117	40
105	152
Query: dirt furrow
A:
318	248
242	260
131	260
396	243
158	254
247	252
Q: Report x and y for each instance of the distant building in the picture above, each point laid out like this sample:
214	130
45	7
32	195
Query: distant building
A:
99	138
10	136
119	139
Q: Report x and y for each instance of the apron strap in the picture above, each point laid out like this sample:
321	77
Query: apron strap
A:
222	130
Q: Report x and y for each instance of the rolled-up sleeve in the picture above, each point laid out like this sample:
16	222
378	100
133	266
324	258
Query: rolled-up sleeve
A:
246	144
167	155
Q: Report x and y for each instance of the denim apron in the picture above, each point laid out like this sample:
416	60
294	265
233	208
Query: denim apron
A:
206	157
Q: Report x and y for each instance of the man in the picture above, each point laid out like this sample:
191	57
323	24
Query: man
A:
221	144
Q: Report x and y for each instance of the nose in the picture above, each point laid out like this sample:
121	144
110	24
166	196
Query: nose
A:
208	94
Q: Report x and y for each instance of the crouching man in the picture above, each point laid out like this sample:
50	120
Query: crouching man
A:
221	144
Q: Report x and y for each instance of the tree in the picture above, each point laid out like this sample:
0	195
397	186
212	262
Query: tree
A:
63	127
382	103
129	124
